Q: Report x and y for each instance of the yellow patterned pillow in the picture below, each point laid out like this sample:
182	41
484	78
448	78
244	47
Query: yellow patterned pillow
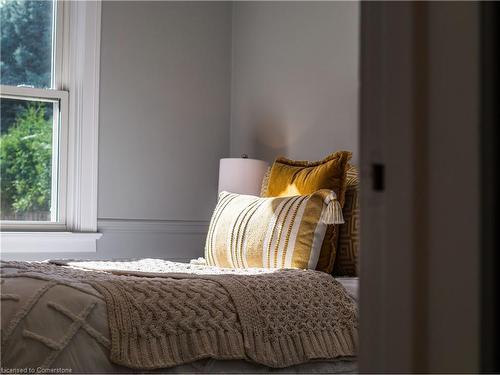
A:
291	177
287	232
346	261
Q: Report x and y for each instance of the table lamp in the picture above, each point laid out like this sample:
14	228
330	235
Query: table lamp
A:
241	175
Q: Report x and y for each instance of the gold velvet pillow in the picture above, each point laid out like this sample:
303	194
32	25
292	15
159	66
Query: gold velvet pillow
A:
282	232
346	261
265	182
289	177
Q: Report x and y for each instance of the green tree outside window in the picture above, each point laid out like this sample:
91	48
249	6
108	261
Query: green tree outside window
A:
26	126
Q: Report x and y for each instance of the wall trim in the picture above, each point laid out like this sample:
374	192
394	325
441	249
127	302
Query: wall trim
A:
184	227
48	242
80	74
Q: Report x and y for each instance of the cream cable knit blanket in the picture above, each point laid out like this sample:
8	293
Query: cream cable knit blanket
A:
163	314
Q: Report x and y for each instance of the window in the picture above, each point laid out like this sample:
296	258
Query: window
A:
31	114
49	70
31	144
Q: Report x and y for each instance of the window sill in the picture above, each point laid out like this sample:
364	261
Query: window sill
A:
48	242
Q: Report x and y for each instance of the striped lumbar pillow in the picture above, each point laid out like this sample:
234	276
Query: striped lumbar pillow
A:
283	232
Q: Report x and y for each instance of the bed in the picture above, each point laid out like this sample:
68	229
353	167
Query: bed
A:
55	317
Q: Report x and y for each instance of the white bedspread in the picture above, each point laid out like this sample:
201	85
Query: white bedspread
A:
77	340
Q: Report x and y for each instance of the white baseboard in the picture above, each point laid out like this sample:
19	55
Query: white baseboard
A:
173	240
54	242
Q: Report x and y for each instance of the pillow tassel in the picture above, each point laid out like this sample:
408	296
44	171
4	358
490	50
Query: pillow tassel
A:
333	213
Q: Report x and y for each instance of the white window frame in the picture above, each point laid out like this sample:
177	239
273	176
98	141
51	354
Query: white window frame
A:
76	72
59	158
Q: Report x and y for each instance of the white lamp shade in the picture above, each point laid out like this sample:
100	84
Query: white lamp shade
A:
241	175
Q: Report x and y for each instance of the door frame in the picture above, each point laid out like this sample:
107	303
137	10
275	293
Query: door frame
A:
420	235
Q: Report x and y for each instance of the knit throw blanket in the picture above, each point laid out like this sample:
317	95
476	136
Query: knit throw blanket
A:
163	314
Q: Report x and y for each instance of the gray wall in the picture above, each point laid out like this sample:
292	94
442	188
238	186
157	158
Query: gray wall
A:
294	79
164	124
163	108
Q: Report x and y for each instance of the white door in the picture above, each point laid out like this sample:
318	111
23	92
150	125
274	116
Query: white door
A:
419	294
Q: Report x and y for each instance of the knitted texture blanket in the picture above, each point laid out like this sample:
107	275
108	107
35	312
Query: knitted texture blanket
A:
163	314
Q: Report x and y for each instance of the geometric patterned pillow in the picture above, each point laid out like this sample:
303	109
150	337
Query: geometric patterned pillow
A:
346	262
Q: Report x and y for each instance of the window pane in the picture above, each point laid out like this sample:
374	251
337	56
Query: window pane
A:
28	174
26	42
